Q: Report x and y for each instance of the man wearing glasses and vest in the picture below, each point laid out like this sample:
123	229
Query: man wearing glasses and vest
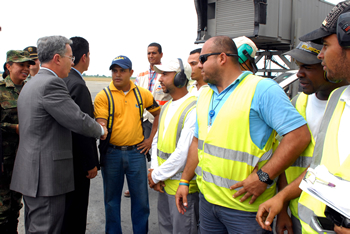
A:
331	147
170	147
232	145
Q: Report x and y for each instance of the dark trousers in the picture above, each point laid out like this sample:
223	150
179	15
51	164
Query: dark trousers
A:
77	203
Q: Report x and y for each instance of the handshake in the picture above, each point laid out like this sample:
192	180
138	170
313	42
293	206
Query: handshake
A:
104	136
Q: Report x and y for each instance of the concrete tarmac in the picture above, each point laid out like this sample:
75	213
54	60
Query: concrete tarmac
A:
96	213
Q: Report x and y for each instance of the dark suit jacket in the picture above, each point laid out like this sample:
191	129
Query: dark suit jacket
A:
47	115
85	155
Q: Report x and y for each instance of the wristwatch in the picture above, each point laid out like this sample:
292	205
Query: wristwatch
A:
264	177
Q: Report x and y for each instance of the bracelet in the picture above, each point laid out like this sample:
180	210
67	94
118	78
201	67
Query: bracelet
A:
185	181
187	184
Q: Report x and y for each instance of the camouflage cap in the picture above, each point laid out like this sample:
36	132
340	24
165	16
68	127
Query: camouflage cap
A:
32	51
19	56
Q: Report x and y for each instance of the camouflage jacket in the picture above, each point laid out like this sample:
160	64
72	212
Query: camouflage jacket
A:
9	119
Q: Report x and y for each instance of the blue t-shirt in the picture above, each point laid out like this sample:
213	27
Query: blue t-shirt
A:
270	109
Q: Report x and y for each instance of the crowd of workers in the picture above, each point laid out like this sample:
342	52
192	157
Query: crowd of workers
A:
219	148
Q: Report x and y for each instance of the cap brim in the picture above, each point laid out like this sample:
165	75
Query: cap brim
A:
163	68
120	65
303	57
315	36
31	62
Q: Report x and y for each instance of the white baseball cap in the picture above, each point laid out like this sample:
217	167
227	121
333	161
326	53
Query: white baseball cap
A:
173	65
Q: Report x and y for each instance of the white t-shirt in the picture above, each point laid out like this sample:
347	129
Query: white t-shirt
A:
194	91
314	112
344	128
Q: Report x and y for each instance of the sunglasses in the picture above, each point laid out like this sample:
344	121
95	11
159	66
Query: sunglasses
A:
204	57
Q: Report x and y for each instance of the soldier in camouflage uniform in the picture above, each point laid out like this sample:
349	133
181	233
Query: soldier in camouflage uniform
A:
17	64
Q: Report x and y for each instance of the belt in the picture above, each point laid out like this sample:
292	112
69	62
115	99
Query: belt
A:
123	148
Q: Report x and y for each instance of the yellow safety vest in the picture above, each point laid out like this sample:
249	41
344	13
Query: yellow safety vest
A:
226	153
325	153
166	145
304	160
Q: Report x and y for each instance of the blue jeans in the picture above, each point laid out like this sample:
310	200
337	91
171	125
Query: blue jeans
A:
133	164
219	219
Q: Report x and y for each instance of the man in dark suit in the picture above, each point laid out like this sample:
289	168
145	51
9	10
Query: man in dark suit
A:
85	157
43	170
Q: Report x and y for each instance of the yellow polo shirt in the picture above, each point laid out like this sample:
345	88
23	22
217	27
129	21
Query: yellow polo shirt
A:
127	128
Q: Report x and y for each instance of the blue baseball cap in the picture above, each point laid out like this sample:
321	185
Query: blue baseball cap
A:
122	61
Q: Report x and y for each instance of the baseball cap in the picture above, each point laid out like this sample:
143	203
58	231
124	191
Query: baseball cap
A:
173	65
19	56
122	61
306	52
329	25
32	51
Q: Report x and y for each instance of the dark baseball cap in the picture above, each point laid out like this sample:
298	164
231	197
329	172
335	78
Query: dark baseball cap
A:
122	61
306	52
329	25
32	51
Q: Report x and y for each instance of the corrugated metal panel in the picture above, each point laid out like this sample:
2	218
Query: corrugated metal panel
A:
310	13
235	17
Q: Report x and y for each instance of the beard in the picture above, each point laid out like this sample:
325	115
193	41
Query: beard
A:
340	70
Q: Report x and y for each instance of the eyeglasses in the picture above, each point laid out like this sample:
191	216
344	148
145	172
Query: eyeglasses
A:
204	57
71	58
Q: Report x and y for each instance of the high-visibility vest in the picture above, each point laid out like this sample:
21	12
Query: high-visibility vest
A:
226	153
304	160
166	145
325	153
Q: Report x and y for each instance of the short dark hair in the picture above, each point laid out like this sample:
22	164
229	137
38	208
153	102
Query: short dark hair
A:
156	45
199	50
80	47
226	45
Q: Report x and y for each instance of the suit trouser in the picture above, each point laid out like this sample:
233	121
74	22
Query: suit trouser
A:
77	203
44	214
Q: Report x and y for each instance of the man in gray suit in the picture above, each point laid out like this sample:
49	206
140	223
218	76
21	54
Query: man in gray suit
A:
43	170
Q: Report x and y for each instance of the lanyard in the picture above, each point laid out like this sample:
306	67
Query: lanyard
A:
151	78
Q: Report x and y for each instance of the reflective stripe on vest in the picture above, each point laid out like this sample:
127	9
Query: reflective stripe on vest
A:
222	182
305	159
234	155
226	153
181	122
167	143
325	153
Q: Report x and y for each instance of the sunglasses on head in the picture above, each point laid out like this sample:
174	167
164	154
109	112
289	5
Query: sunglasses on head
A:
204	57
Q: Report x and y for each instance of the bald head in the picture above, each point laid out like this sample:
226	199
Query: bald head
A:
224	44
